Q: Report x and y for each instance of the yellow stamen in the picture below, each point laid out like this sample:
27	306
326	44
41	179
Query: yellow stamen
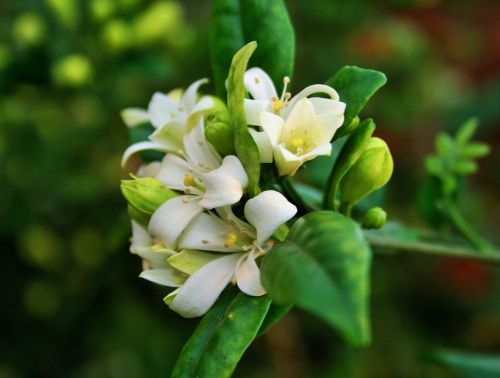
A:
231	240
189	180
278	105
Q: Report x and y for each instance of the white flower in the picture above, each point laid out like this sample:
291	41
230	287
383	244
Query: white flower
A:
206	181
244	242
155	266
172	115
296	129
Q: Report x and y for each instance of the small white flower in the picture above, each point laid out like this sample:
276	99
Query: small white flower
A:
296	129
172	115
244	242
206	181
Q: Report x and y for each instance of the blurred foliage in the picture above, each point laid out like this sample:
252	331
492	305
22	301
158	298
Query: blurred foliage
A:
72	305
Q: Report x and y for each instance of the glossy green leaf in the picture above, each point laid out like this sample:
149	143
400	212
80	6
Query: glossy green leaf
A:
351	152
222	336
225	38
245	146
234	23
274	34
323	267
355	86
273	316
467	365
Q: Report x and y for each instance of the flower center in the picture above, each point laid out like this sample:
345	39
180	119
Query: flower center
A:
231	240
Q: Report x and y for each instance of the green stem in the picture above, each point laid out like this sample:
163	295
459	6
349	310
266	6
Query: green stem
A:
466	229
431	248
346	208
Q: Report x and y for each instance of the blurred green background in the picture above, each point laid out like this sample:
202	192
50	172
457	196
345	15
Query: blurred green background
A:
72	304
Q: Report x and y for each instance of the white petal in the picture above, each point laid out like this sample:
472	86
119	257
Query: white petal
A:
206	233
248	277
203	287
171	218
300	120
162	109
286	162
253	108
173	171
258	83
157	258
149	170
140	146
199	153
169	136
189	261
140	237
312	89
227	215
267	211
263	144
134	116
224	185
324	149
202	106
331	112
166	277
190	96
272	125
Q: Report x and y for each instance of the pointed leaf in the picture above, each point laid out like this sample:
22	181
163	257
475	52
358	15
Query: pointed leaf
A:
323	267
222	336
355	86
245	146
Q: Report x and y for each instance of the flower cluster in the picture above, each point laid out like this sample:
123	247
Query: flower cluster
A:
194	242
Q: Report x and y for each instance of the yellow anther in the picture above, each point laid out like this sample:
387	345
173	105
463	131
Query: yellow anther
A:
288	95
286	80
231	240
189	180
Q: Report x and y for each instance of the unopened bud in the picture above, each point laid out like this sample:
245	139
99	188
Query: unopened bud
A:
374	218
219	129
144	196
370	172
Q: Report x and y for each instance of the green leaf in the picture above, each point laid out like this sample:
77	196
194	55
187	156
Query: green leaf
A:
225	38
323	267
222	336
475	150
467	130
245	146
351	152
234	23
355	86
444	144
467	365
274	315
141	133
267	22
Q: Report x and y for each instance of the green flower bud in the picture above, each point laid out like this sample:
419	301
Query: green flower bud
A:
144	196
117	35
349	129
219	129
370	172
374	218
73	71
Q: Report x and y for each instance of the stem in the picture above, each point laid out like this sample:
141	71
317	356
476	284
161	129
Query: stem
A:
466	229
432	249
346	208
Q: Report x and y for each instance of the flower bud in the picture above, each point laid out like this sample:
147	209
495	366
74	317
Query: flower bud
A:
219	129
144	196
374	218
370	172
